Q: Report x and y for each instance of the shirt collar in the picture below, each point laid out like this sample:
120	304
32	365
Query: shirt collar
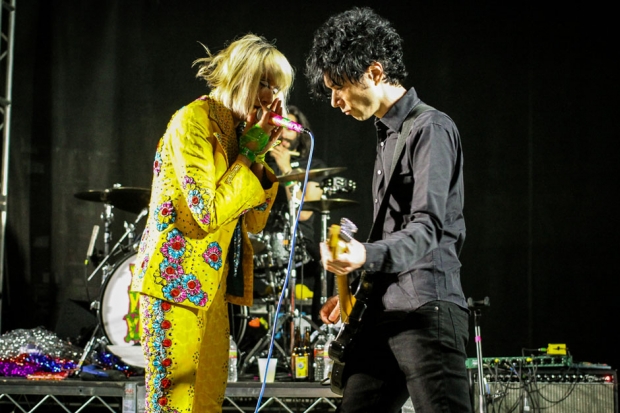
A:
397	114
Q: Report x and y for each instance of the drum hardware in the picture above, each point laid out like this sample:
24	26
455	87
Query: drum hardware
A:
130	199
126	199
271	304
275	249
337	184
326	204
313	173
129	233
277	253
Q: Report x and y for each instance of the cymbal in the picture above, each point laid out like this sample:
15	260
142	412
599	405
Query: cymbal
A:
327	204
312	173
130	199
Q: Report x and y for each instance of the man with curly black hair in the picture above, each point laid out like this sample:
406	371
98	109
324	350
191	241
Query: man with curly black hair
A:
413	335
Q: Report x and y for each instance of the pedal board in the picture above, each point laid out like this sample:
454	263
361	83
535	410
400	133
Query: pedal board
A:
522	362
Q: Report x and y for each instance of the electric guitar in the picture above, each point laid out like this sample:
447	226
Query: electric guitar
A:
352	305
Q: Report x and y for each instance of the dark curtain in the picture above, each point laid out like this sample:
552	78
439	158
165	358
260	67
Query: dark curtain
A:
532	91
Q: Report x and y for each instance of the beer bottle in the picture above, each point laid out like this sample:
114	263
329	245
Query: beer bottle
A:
300	358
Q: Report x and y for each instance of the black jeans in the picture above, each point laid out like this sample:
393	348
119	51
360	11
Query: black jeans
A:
419	355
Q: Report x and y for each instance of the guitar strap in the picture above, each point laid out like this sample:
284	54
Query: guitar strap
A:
405	130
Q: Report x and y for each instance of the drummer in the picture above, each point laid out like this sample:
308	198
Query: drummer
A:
291	156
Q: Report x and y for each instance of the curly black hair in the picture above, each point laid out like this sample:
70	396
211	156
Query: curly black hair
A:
347	44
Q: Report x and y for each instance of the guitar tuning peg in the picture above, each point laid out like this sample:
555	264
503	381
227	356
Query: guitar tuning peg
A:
347	229
348	225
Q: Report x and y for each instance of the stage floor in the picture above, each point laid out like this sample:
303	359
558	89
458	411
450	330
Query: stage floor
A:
75	395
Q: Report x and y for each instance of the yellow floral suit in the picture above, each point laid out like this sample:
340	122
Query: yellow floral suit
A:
195	255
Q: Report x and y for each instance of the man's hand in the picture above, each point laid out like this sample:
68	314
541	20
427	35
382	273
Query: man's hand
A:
350	260
330	312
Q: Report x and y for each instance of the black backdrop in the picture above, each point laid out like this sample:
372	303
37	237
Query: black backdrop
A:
532	90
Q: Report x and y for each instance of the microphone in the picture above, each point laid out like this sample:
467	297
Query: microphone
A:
278	120
141	215
91	244
471	303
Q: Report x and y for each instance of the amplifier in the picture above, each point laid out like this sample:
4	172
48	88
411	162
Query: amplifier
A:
567	390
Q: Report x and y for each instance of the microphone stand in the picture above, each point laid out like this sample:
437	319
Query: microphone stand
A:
129	229
477	307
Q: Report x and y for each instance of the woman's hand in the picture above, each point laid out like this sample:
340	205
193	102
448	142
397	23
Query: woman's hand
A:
274	132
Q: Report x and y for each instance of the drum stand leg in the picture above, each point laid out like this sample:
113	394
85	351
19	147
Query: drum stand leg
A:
262	343
95	340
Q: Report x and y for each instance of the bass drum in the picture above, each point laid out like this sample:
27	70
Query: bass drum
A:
119	313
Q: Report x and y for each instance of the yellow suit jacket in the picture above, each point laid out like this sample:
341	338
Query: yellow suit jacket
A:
199	200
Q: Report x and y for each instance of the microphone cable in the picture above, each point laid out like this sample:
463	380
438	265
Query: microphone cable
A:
288	269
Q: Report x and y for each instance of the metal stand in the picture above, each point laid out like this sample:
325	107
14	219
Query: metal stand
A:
477	307
324	220
254	354
95	305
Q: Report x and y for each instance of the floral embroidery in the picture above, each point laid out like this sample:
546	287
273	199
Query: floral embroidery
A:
175	247
196	202
213	255
159	349
178	286
263	206
143	266
188	180
197	199
157	163
174	291
165	215
142	245
170	270
191	286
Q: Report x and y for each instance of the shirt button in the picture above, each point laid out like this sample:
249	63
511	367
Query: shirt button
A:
376	200
382	143
379	172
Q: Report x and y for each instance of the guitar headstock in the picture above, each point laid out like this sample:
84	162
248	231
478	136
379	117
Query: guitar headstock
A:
347	229
340	235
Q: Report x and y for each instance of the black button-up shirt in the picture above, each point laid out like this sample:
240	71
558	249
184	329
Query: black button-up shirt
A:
415	245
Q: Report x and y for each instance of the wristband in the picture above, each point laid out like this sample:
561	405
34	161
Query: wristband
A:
255	134
260	158
245	151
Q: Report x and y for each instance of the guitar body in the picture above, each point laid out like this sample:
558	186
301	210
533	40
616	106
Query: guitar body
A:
341	345
352	306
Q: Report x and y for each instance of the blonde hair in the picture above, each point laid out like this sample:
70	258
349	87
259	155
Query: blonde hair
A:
234	74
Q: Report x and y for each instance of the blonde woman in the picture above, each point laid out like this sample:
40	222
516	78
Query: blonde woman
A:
211	186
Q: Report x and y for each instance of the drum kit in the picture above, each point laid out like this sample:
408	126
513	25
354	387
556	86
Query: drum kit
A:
118	309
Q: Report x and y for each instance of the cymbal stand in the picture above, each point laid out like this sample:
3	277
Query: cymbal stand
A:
292	205
108	217
324	220
254	354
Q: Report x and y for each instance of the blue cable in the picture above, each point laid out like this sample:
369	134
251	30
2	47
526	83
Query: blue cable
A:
288	270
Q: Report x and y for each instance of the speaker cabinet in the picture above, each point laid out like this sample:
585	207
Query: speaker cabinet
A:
548	391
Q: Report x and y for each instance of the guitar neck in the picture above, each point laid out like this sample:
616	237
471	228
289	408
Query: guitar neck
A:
346	298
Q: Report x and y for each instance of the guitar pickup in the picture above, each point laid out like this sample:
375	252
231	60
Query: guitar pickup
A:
336	351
